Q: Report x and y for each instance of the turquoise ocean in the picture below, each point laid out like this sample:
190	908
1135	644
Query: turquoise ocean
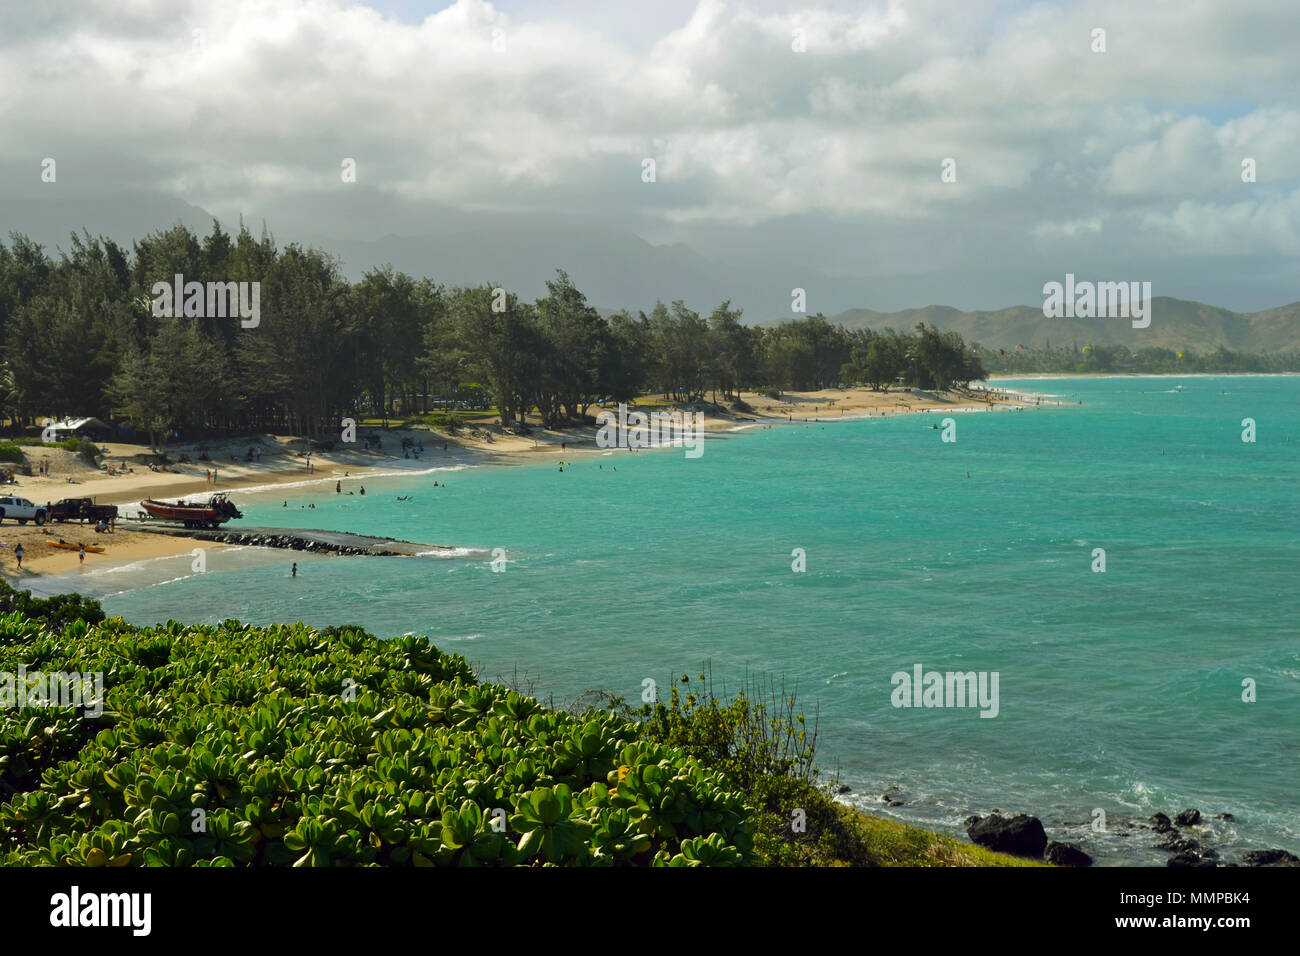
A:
1119	690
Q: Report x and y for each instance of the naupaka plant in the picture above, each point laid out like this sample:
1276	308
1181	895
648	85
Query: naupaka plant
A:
237	745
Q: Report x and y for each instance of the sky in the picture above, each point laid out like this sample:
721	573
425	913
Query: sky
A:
808	137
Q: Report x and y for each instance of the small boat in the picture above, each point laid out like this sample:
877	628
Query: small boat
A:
69	546
209	514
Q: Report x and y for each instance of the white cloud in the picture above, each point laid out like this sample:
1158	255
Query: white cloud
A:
1051	139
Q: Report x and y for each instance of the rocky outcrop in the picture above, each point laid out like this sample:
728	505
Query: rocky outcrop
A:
315	542
1066	854
1270	858
1020	835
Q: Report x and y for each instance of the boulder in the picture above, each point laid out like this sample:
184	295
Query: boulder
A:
1188	818
1020	835
1270	858
1161	823
1066	854
1187	860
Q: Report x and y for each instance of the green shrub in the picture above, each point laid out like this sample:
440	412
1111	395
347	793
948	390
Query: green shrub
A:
235	745
88	449
57	611
11	453
762	743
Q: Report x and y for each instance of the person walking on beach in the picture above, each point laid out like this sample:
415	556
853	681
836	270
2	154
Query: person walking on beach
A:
18	553
81	555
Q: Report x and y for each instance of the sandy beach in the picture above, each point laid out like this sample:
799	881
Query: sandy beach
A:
125	477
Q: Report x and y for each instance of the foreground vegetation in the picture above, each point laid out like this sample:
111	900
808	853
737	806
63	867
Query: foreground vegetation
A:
237	745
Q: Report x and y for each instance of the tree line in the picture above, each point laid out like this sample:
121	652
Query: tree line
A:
1075	359
79	335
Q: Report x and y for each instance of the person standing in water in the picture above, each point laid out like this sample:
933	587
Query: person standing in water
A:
338	487
294	572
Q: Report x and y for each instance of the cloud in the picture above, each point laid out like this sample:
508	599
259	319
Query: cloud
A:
479	109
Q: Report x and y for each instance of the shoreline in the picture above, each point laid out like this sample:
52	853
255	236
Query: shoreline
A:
283	465
1032	376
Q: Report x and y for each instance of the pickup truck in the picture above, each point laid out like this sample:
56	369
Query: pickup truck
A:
21	510
81	509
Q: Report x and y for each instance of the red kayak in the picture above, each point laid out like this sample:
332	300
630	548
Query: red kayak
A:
209	514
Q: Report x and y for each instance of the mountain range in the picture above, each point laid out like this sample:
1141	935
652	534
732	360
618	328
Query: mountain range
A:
1175	324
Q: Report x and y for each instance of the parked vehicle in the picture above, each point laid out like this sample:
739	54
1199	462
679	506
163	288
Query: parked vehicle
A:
81	509
21	510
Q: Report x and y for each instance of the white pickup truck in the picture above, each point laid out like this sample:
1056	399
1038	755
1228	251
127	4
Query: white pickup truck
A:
21	510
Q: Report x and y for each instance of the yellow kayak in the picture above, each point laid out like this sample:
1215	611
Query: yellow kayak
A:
66	546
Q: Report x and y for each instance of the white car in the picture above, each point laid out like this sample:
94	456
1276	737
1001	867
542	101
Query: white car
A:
21	510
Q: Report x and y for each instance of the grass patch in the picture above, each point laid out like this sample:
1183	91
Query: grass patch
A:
875	841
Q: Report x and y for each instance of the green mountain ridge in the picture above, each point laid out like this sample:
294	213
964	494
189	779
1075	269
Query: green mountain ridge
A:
1175	324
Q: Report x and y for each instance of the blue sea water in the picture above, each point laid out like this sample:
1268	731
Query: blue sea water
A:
1120	691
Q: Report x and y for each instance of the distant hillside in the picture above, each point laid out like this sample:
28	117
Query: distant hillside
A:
1175	323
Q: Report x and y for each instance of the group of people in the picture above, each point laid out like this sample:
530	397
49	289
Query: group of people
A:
412	449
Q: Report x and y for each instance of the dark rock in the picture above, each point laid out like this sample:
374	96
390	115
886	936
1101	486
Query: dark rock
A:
1161	823
1178	844
1021	835
971	820
844	788
1066	854
1224	816
1190	860
1188	818
1270	858
897	803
